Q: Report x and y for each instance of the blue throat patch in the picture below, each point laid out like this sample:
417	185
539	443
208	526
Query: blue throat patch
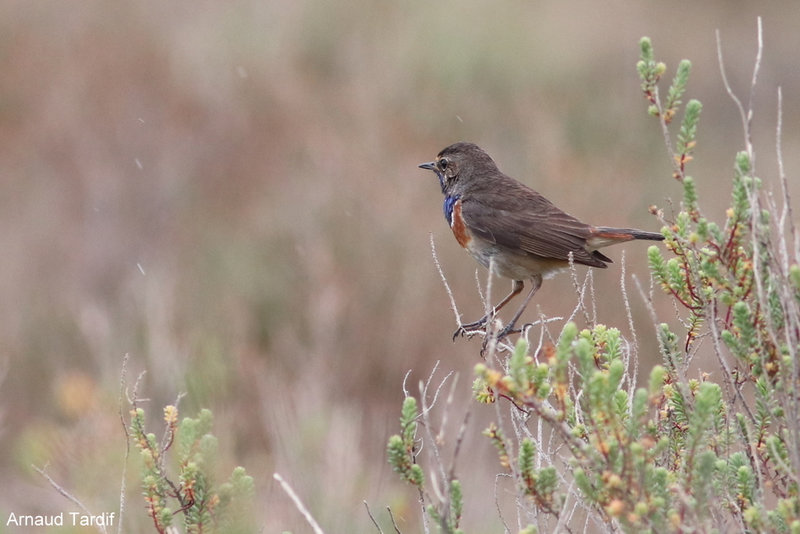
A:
449	202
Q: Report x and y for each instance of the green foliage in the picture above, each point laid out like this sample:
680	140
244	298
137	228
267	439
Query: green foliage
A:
402	456
688	132
650	73
401	448
685	453
495	435
678	86
408	419
730	281
538	484
205	506
520	370
456	505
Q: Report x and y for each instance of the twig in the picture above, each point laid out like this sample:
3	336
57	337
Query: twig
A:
68	495
457	447
425	416
497	477
369	513
447	404
647	298
298	504
626	302
633	352
746	115
727	373
786	212
405	380
484	299
753	83
444	281
580	291
133	400
122	385
424	389
589	282
488	310
792	312
394	523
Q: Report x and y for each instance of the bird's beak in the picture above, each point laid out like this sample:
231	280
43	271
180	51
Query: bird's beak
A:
431	165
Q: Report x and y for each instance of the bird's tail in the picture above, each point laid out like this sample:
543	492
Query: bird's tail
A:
603	236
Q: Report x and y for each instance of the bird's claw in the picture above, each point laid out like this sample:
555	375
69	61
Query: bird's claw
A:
465	332
470	329
506	331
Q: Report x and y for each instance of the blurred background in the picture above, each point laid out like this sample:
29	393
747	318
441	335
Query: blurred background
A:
228	193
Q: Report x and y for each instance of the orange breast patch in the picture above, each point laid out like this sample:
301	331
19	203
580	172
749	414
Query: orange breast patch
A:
459	226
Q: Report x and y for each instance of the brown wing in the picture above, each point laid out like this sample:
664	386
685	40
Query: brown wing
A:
516	217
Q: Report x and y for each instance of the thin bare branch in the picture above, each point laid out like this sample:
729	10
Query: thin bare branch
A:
786	212
487	303
444	281
580	291
298	504
647	298
68	495
428	425
369	513
727	374
754	82
123	376
459	439
394	523
424	389
405	382
745	114
446	411
633	350
484	299
497	478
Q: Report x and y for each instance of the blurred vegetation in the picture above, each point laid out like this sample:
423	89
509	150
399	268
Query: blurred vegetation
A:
228	193
193	495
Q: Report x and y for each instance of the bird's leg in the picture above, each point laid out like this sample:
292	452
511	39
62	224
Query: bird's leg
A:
509	328
516	289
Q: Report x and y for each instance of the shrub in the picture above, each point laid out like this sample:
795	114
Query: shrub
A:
585	447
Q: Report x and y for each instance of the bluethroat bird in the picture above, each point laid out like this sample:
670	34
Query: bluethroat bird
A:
511	227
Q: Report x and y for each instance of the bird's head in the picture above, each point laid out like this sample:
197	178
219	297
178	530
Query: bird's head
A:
459	164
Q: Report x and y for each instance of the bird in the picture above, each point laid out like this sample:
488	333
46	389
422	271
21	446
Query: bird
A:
513	230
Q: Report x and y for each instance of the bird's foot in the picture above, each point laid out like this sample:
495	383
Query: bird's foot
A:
507	330
495	338
470	329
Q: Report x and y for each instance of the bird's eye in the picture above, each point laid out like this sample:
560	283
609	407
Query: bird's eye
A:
443	163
